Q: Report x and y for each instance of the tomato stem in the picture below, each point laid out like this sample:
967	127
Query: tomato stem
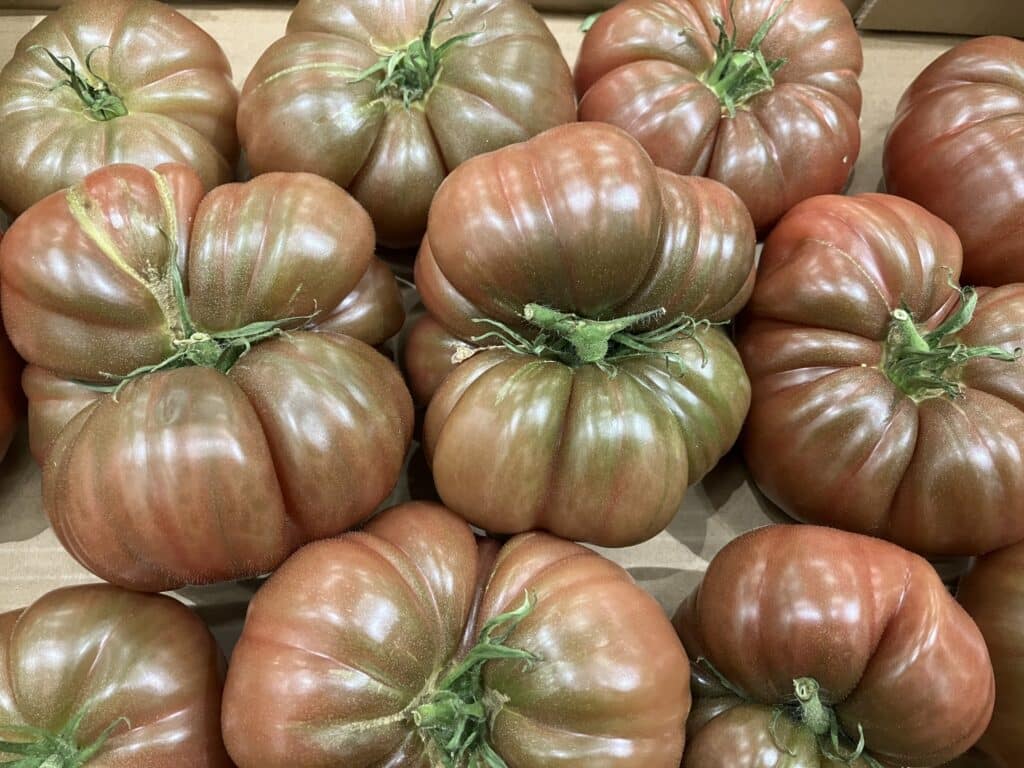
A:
924	364
101	103
410	72
576	340
455	717
56	750
739	74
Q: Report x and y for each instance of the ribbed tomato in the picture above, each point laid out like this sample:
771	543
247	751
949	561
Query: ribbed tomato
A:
113	81
993	593
886	399
583	284
815	647
387	98
217	431
761	95
12	401
413	644
99	676
958	140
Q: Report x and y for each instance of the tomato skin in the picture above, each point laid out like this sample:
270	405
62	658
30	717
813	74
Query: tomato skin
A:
352	632
993	594
302	438
830	438
871	623
302	107
582	222
958	138
174	80
641	68
147	658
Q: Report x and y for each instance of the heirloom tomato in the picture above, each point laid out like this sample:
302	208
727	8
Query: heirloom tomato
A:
813	648
957	148
887	399
414	644
113	81
761	95
97	676
993	593
387	98
194	426
584	285
12	401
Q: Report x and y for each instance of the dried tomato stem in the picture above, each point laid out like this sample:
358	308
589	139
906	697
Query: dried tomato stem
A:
576	340
101	103
739	74
923	364
43	749
455	717
410	72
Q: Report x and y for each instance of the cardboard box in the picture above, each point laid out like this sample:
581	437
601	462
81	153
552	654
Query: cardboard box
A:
714	512
962	17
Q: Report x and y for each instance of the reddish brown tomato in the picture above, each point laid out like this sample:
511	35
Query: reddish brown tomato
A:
12	401
113	81
363	651
387	98
696	98
794	628
592	417
906	429
993	593
190	432
958	139
111	677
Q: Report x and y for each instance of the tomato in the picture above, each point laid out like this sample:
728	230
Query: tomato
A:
113	81
958	139
386	99
886	399
776	122
112	678
582	283
572	6
194	426
415	644
12	401
993	593
800	635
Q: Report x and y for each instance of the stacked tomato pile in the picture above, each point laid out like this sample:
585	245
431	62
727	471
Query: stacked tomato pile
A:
212	393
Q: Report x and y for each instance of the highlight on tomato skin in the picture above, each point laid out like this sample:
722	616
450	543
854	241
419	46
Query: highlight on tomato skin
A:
958	139
414	642
113	81
203	395
886	394
993	594
761	96
387	99
97	675
588	382
830	648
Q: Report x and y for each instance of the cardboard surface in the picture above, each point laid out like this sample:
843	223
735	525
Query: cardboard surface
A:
669	566
725	504
965	17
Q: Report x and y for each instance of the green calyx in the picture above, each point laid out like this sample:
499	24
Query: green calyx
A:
576	340
219	350
101	103
926	364
409	73
42	749
454	719
739	74
809	711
